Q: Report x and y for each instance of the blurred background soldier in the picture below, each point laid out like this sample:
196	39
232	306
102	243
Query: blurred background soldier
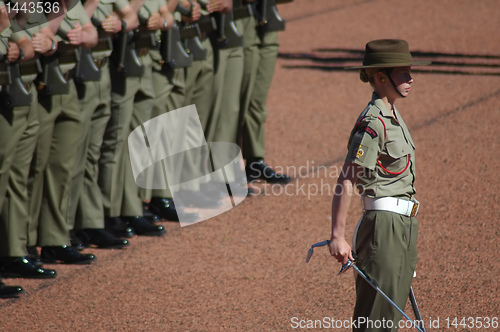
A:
30	38
60	132
261	52
85	212
132	100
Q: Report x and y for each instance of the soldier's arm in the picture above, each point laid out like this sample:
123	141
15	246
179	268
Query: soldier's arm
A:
89	35
136	4
167	17
90	6
172	4
4	18
128	15
339	248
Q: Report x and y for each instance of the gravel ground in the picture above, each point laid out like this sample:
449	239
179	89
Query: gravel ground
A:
245	270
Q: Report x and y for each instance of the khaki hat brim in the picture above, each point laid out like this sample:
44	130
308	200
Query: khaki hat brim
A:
414	63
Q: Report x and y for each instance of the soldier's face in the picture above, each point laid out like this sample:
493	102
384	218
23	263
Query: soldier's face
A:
402	79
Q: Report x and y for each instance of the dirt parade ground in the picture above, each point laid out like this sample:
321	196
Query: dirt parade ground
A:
245	270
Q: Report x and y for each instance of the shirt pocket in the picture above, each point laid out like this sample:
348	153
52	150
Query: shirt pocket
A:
396	159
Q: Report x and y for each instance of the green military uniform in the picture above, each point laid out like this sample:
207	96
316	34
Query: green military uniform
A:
132	100
86	209
225	114
6	149
258	74
17	144
251	59
384	241
170	93
55	155
198	85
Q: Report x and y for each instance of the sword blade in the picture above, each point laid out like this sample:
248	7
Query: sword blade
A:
368	280
414	305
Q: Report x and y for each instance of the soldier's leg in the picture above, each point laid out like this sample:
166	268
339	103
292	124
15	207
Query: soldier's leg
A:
256	114
90	212
53	228
166	84
199	84
88	98
226	110
14	215
251	61
111	176
8	140
386	252
132	201
254	131
161	199
47	114
53	232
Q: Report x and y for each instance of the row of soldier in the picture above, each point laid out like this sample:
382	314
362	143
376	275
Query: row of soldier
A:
78	77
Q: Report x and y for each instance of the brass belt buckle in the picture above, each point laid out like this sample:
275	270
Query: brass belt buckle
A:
414	210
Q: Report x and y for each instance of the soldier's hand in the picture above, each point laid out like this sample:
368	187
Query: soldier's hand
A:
196	11
214	6
155	21
13	53
112	24
41	42
340	249
75	35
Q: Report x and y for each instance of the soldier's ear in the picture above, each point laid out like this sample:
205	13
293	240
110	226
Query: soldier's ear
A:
380	77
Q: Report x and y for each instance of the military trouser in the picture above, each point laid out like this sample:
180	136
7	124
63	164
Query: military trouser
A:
199	83
386	249
85	209
225	114
256	113
132	100
169	87
52	168
18	141
250	63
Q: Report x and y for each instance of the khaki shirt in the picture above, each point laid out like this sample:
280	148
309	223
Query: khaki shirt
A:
384	147
76	14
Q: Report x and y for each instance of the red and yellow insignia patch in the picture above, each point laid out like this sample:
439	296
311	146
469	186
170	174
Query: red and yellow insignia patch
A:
360	152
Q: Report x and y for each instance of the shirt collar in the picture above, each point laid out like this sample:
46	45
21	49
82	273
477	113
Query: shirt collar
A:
381	105
383	109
